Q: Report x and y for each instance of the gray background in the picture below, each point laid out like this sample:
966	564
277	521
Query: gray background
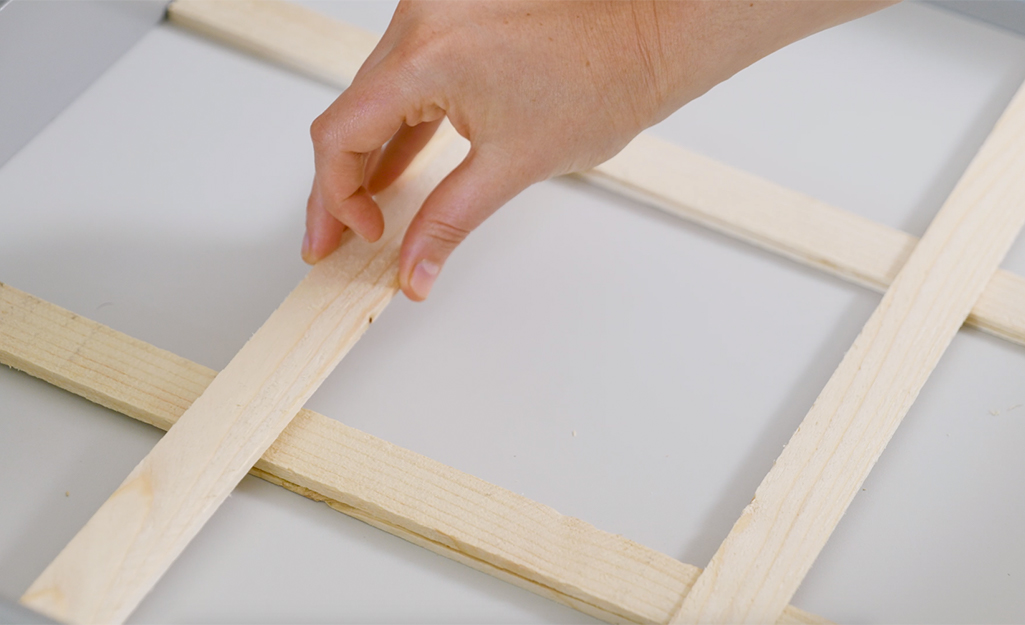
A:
167	203
51	51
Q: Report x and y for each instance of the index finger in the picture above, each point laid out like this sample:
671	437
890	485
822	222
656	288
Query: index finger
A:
360	121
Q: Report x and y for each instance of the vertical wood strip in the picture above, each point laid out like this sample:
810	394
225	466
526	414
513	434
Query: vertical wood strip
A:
110	565
773	544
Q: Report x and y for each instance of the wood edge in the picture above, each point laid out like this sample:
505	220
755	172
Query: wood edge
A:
452	554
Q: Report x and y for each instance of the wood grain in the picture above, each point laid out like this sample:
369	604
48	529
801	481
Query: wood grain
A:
649	170
110	565
773	544
425	502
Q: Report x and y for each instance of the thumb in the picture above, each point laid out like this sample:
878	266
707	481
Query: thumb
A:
479	186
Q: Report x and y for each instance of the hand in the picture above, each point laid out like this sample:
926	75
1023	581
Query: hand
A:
540	88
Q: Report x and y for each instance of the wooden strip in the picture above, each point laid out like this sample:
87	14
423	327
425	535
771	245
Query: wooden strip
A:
650	170
110	565
757	211
449	512
302	40
791	224
772	546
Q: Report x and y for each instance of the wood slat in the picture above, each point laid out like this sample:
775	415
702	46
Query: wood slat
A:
425	502
791	224
773	544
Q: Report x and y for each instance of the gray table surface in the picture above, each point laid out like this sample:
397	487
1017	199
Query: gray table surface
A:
167	202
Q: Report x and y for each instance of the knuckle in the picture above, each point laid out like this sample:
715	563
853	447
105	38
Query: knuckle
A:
404	62
321	130
447	234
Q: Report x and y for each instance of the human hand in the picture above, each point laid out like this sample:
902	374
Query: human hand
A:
539	87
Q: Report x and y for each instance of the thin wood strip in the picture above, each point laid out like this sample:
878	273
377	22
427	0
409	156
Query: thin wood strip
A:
425	502
284	33
650	170
110	565
757	211
773	544
791	224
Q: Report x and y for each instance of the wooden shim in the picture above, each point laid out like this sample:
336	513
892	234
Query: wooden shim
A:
650	170
110	565
425	502
773	544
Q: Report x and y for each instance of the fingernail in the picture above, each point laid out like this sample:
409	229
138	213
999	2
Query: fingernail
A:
306	248
423	278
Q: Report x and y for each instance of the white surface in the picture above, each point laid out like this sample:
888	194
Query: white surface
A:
167	203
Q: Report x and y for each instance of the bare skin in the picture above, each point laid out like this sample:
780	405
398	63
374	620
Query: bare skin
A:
539	87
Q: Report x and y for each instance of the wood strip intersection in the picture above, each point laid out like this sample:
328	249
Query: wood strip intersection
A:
773	544
128	544
799	227
425	502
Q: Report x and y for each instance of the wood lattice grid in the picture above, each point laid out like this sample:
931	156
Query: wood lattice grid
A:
1003	316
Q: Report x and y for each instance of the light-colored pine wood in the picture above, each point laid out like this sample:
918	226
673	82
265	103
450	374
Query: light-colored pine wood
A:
110	565
755	210
260	34
789	223
425	502
773	544
650	170
281	32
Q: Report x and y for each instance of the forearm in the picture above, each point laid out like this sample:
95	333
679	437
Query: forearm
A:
696	44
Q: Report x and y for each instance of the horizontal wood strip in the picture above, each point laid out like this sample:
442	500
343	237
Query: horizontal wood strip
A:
447	511
792	224
649	170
